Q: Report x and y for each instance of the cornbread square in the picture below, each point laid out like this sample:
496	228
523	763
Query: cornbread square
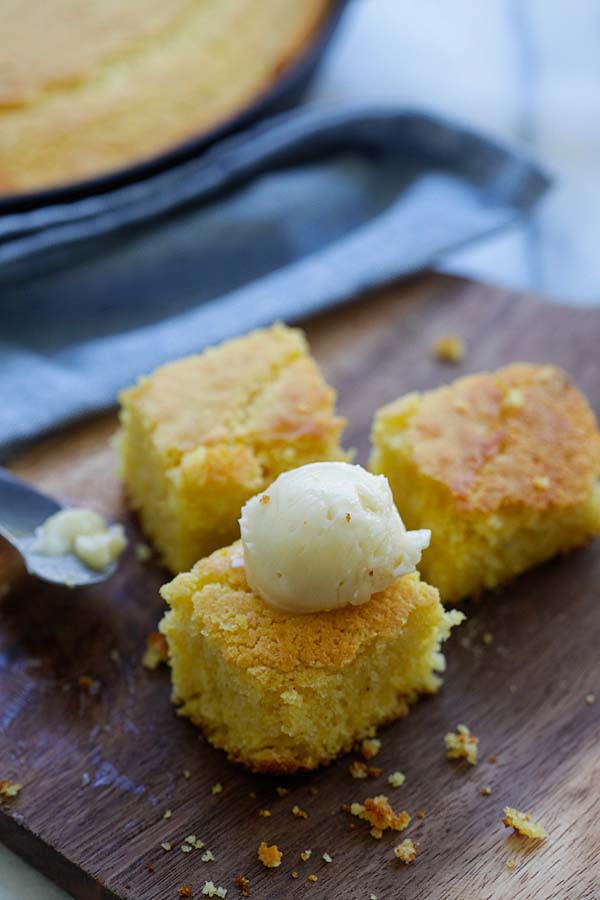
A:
283	692
203	434
501	466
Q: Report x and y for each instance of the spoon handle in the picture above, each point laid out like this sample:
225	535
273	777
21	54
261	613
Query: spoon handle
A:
22	508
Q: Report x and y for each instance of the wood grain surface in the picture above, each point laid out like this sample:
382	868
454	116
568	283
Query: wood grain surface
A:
99	771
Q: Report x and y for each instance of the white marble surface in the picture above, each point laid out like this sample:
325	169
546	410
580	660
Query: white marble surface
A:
524	70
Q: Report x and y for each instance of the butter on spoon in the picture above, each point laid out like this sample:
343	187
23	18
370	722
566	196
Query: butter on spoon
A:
83	532
24	517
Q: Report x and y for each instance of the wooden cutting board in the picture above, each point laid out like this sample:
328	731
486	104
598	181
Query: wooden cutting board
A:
99	771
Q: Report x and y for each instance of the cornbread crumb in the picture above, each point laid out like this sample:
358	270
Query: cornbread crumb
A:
207	856
167	845
264	813
513	399
216	788
270	856
327	858
522	823
541	483
295	874
462	744
359	769
210	890
282	791
406	851
244	885
142	552
545	374
299	813
370	747
241	621
290	697
185	890
492	759
485	791
449	348
168	814
396	779
312	878
460	405
305	855
187	774
511	864
590	699
9	789
89	685
265	499
157	651
313	790
421	814
487	638
378	813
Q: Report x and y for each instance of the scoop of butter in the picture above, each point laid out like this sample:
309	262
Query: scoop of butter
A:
82	532
326	535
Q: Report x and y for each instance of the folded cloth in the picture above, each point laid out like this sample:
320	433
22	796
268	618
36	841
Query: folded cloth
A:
298	214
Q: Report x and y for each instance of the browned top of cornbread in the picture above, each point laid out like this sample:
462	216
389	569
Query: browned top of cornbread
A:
258	388
91	86
76	36
522	435
222	605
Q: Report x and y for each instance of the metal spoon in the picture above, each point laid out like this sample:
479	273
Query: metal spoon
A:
22	510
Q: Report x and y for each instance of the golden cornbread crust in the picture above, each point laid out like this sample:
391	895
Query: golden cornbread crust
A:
497	458
484	438
202	435
90	87
282	692
274	639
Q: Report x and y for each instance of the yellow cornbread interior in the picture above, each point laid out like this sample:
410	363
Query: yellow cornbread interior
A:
202	435
282	692
502	467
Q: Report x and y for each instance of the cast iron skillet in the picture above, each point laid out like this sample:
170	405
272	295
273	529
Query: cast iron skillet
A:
282	94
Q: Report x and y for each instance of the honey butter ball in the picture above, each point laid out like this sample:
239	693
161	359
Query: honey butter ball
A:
324	536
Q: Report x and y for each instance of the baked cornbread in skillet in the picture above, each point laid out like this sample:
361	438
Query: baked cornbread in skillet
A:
502	467
281	692
90	87
203	434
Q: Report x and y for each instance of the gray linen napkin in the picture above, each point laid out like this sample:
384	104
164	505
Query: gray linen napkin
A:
296	215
